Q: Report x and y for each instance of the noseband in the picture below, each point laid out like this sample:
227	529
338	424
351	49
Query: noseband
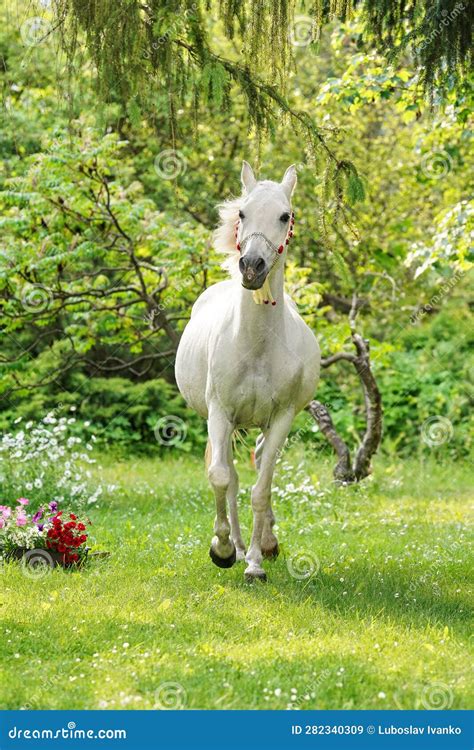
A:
264	295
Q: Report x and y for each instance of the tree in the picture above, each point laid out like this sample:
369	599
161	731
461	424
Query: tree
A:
108	233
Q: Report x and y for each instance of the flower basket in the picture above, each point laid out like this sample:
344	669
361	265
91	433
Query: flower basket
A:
44	539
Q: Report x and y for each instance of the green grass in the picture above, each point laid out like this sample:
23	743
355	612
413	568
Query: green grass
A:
384	623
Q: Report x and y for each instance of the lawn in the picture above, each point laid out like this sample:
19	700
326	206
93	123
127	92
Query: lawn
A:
384	621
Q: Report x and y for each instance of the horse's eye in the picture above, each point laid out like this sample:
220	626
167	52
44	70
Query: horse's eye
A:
284	218
241	215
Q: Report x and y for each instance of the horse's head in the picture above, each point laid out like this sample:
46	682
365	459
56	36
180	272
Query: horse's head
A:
265	224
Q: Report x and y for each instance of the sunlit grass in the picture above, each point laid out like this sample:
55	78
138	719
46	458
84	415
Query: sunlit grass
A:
383	623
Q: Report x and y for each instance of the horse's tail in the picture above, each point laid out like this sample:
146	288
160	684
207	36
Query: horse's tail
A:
236	437
208	455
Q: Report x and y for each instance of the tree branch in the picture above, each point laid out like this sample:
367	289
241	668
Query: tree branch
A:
345	471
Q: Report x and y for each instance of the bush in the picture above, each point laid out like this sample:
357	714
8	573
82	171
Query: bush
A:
148	417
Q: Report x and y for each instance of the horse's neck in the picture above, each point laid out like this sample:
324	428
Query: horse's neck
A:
259	320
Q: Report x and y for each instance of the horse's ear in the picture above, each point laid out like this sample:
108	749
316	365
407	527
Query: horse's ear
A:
289	180
247	176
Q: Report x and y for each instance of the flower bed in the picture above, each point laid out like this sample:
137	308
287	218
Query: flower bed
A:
44	537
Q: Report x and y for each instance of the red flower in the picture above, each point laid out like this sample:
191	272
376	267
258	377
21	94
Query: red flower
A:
81	527
71	515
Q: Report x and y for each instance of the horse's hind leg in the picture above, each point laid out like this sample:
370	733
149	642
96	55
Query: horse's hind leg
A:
232	493
270	548
220	430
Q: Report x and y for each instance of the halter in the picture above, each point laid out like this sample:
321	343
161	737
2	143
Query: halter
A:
264	294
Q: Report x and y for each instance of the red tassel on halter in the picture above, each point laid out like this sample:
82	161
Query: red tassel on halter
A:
280	249
238	247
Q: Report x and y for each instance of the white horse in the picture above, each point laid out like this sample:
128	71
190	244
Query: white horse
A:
246	358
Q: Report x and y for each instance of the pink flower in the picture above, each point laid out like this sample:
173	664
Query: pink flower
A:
23	501
21	519
5	511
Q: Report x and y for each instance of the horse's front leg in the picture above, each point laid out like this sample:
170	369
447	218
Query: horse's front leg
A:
220	430
261	492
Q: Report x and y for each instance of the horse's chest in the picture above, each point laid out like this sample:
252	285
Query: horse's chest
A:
257	387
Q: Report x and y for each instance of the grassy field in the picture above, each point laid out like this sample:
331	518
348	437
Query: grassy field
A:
384	621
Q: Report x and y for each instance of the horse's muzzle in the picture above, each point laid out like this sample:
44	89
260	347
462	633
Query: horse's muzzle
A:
254	271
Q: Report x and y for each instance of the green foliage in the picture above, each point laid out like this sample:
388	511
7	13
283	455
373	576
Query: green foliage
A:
124	416
106	234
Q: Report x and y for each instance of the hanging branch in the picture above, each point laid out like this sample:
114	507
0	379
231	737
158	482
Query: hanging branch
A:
345	470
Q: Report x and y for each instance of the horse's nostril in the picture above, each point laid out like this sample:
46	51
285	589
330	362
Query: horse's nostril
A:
241	265
259	265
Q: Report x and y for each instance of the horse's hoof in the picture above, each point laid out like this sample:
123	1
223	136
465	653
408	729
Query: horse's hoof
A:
271	553
259	575
223	562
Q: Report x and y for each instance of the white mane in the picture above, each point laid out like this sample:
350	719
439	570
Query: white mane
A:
224	235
